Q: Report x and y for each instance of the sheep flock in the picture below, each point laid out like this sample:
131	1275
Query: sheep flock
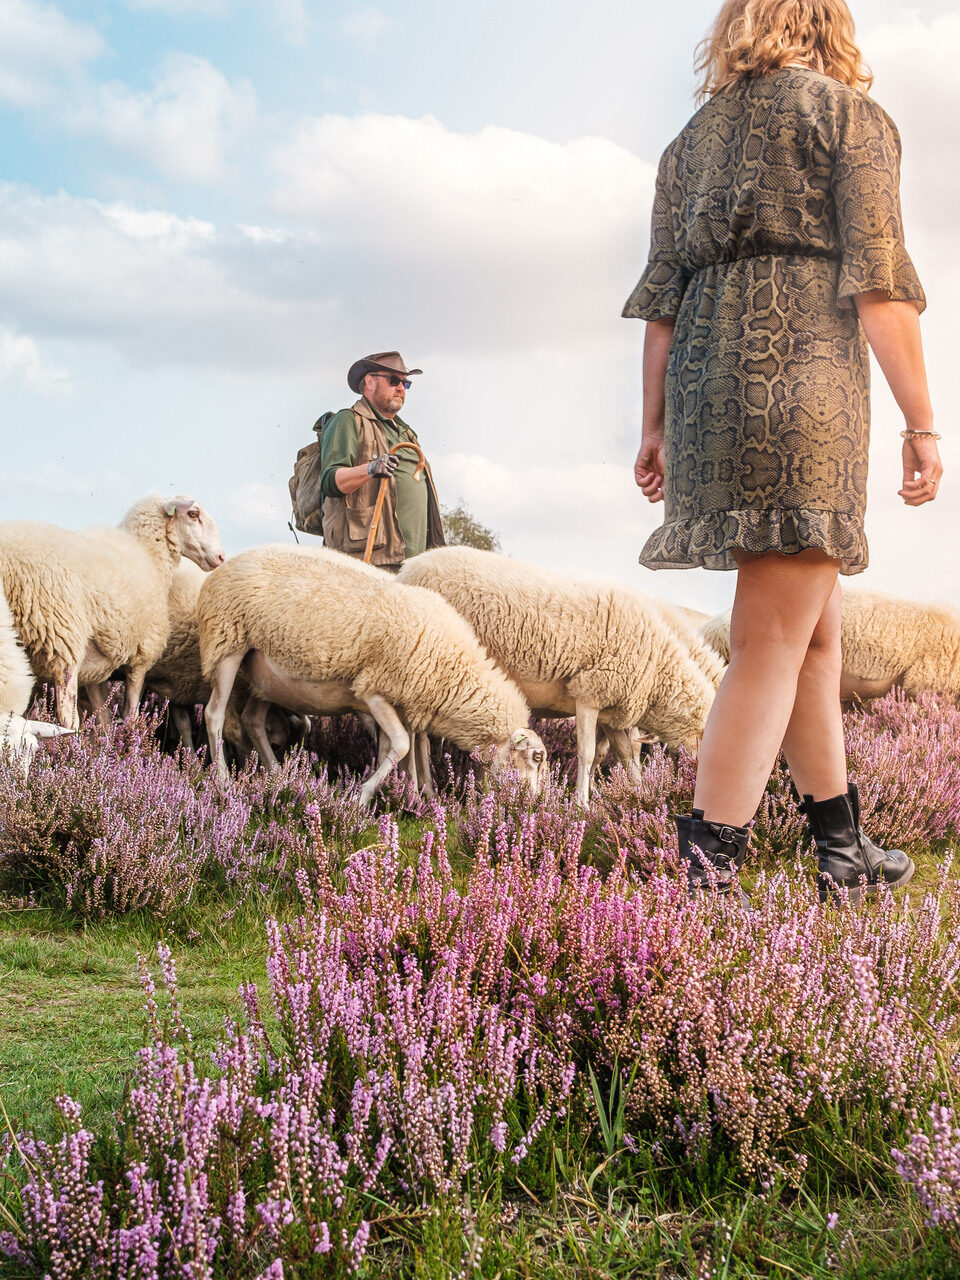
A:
462	645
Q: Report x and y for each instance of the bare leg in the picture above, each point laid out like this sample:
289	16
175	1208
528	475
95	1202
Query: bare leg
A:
778	603
221	686
182	720
392	727
66	699
813	743
97	695
254	721
424	767
586	749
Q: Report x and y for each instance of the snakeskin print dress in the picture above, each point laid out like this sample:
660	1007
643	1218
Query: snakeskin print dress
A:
776	204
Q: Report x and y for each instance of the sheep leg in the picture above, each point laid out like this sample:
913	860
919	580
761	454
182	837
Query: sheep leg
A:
221	686
424	767
97	695
623	749
392	727
370	725
66	695
254	721
135	678
603	748
408	765
586	749
183	723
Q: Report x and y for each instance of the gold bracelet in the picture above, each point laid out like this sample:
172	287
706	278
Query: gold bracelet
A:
912	435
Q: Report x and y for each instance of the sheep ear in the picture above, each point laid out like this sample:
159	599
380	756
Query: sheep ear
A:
520	737
180	504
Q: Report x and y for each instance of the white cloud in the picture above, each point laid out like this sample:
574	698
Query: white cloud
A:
40	49
187	125
21	362
914	61
366	25
503	236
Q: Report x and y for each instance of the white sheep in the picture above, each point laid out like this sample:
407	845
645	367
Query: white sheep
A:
177	676
317	632
609	655
19	737
87	603
885	642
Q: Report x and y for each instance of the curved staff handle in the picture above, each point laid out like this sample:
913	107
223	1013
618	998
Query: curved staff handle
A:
382	493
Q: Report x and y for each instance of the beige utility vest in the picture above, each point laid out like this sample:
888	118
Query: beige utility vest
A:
346	518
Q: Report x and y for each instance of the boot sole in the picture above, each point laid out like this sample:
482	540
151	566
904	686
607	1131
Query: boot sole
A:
829	891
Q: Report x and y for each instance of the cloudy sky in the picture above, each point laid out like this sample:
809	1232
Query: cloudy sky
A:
210	208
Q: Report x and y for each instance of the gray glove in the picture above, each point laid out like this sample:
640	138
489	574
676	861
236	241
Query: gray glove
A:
384	464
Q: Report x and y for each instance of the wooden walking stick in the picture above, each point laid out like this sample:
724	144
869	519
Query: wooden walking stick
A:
382	493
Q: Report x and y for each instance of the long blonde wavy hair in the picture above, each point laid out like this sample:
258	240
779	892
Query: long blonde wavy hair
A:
751	38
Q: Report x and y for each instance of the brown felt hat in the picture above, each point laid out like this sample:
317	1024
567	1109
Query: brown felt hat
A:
379	362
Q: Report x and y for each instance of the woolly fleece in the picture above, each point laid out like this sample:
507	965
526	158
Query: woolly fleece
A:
16	678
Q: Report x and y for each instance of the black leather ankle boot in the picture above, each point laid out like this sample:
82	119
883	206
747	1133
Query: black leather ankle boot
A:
845	853
722	848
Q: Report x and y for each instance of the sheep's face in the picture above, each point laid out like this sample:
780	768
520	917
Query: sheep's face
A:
198	533
19	739
525	754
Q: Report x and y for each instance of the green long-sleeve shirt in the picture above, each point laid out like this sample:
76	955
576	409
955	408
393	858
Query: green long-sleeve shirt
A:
338	448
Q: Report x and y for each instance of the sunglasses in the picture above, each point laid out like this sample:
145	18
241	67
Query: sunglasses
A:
394	380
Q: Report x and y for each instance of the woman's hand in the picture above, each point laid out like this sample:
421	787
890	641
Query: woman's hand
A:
649	468
922	470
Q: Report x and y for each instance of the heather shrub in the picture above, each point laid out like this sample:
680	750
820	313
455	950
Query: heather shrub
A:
100	826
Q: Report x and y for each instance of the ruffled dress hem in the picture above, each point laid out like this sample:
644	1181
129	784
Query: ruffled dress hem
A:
708	542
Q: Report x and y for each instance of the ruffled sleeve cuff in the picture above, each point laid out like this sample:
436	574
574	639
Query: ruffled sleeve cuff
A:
659	292
884	265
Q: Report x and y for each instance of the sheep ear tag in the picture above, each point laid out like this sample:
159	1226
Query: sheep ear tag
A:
171	510
520	737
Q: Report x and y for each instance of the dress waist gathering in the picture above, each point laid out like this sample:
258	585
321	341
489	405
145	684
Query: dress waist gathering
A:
801	254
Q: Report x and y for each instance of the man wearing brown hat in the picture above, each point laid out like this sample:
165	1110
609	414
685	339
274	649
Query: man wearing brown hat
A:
355	456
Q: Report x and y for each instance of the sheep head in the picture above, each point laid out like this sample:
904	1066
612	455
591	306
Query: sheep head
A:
523	753
20	738
197	532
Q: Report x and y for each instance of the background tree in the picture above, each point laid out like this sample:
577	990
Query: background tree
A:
461	528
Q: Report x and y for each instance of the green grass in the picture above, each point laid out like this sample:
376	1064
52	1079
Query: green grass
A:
72	1009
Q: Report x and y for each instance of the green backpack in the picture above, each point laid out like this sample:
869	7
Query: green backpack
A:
306	497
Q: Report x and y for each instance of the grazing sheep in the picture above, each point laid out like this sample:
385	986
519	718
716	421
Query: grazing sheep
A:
87	603
597	650
315	631
885	642
19	737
